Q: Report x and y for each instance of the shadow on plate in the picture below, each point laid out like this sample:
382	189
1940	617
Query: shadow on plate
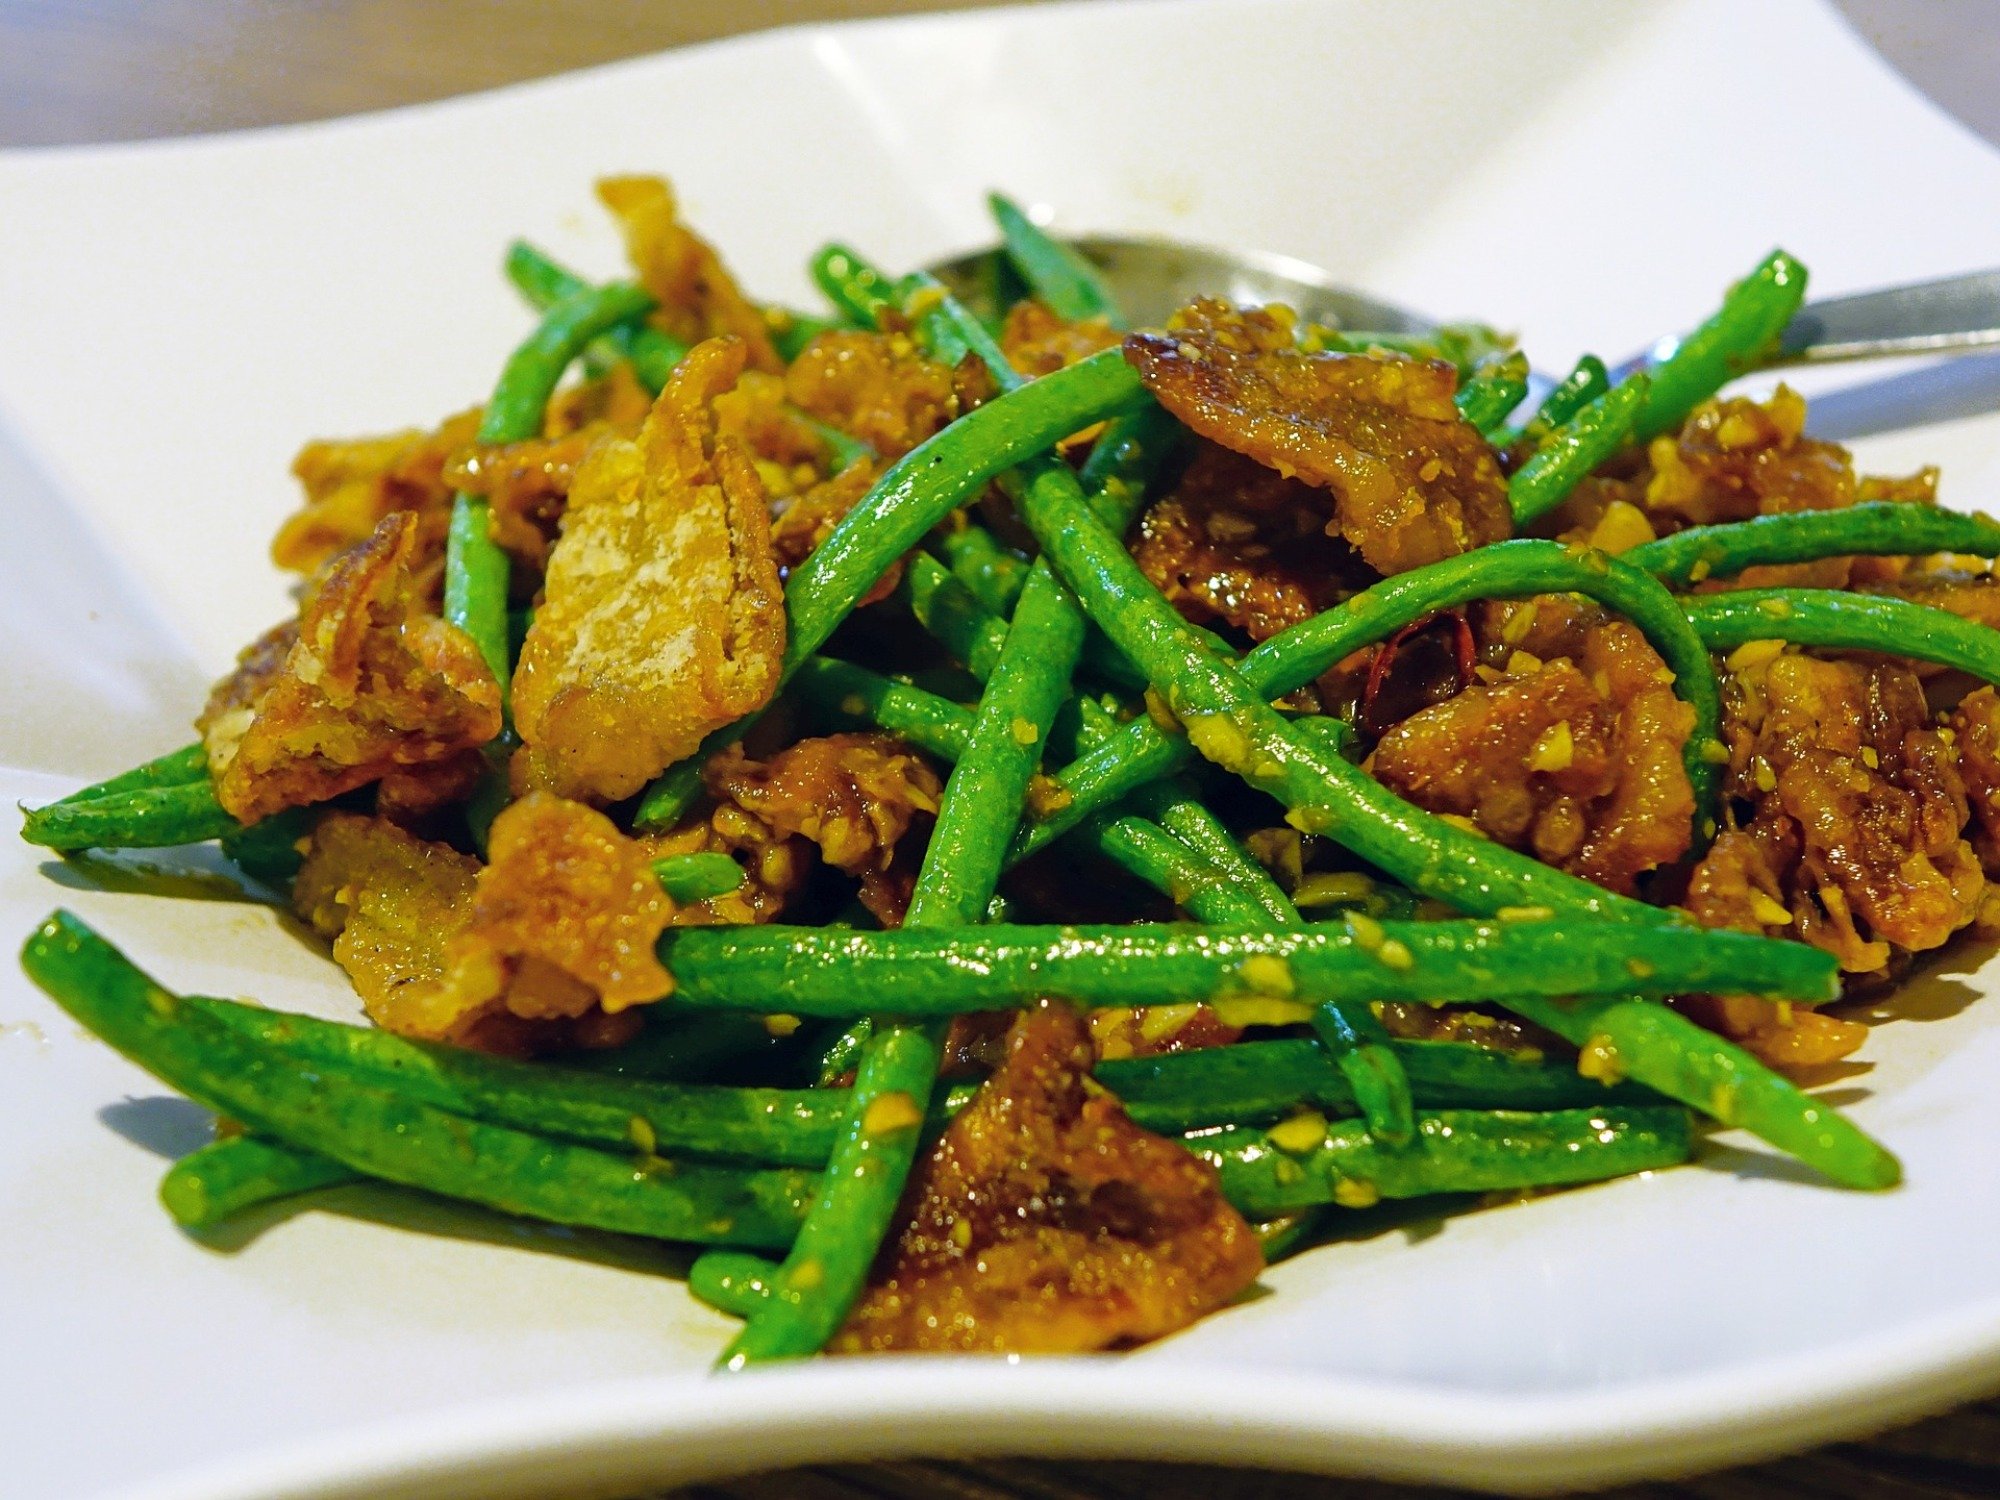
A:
164	1124
419	1212
197	873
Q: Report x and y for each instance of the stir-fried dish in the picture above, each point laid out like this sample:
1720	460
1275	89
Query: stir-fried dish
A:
999	825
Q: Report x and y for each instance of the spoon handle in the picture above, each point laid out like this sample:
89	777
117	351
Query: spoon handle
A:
1930	317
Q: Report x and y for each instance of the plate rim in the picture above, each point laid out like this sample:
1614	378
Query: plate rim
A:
679	1427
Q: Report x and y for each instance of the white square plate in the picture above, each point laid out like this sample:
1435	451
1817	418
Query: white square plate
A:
176	318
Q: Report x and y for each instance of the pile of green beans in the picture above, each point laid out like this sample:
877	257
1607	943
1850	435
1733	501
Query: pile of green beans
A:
1071	702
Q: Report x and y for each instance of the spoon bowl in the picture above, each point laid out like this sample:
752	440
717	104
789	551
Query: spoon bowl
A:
1155	277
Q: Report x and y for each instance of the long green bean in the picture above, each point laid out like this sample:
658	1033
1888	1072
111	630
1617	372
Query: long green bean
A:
1229	720
697	877
1163	862
934	725
1877	528
1232	726
1455	1151
175	768
789	1127
1487	398
1748	324
1250	1082
994	575
916	972
147	817
732	1281
388	1136
1070	285
1666	1051
1574	449
1578	389
1847	622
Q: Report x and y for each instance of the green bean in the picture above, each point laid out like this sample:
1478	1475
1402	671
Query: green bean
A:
790	1127
732	1281
1070	286
386	1136
145	818
1294	657
269	849
1360	1048
839	1237
697	877
1877	528
1574	449
475	568
1666	1051
1228	719
949	612
227	1177
1847	622
683	1048
1249	1082
932	724
652	353
994	575
1578	389
811	971
913	496
1149	852
1487	398
175	768
1454	1151
857	289
1746	327
1178	811
983	798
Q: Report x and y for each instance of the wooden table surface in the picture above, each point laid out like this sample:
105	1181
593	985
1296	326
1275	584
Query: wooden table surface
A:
101	70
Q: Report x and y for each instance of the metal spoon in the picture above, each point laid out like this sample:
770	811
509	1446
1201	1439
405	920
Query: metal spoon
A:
1153	277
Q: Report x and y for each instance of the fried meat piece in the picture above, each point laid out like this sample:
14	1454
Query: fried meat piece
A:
662	616
1738	458
877	387
1238	542
1037	342
698	298
352	485
806	520
1975	727
1150	1031
563	918
391	903
526	484
1411	481
1578	761
1045	1221
855	796
365	684
1856	844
